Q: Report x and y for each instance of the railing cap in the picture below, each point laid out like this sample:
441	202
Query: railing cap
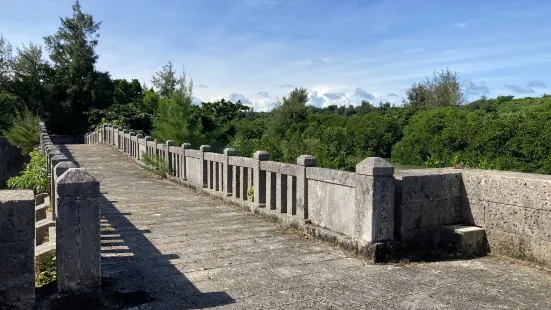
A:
205	148
307	160
261	155
230	152
375	166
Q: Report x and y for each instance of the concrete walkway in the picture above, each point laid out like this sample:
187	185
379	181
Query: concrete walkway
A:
187	251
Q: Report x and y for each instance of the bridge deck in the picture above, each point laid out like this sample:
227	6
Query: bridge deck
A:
190	251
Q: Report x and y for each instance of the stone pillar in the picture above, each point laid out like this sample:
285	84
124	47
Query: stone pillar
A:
228	186
43	135
58	170
147	139
203	168
104	133
115	136
138	149
78	232
155	142
53	151
168	158
303	162
375	200
17	229
185	146
55	161
131	144
125	139
260	179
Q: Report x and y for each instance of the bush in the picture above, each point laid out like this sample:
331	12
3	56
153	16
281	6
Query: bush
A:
46	270
35	175
24	132
516	140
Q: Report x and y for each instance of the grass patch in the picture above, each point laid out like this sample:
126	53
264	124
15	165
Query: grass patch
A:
156	163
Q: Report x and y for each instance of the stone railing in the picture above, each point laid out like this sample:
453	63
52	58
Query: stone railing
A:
65	221
373	211
352	209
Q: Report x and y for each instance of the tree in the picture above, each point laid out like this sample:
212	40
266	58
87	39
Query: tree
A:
175	119
24	132
165	81
31	78
443	89
291	110
72	51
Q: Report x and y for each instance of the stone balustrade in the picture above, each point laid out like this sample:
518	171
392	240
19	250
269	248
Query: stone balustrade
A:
355	206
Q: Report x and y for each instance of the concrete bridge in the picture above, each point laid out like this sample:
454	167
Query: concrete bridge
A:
194	239
189	250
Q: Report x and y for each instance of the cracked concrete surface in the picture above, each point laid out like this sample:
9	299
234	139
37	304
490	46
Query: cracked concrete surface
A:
189	251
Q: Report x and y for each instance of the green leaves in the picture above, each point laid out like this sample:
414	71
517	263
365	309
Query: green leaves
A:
24	132
35	175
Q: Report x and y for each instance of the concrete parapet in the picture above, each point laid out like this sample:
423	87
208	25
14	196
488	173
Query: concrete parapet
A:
17	229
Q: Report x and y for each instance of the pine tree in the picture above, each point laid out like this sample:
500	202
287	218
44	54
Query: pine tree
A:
72	51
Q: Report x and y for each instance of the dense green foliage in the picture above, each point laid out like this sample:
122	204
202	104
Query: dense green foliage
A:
24	132
46	271
502	133
35	175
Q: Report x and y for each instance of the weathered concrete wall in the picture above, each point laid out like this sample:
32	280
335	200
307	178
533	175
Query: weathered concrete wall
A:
193	170
426	200
514	209
17	229
332	206
11	161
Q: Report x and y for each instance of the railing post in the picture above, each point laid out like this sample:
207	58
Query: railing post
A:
131	144
147	139
228	182
104	133
168	159
125	140
185	146
116	136
303	162
259	180
155	148
78	247
138	154
375	199
17	233
54	162
203	168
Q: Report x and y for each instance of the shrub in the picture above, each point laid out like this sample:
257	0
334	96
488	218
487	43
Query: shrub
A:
46	270
35	175
24	132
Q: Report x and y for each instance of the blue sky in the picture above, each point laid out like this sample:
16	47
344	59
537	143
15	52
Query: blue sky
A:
341	51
